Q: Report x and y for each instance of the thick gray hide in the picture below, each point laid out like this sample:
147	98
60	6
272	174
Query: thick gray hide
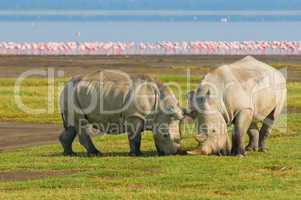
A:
242	94
115	102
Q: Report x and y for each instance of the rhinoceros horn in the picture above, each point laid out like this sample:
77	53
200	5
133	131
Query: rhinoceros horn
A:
198	150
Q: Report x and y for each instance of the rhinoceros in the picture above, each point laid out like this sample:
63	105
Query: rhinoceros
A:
115	102
243	94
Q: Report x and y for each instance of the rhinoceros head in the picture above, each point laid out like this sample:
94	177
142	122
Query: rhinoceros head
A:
166	129
211	127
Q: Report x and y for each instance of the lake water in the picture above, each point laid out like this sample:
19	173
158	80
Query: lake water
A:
27	31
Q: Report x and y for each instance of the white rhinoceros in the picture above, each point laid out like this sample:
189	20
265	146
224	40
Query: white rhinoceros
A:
243	93
115	102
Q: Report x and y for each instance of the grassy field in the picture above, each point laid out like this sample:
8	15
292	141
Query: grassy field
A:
276	174
34	95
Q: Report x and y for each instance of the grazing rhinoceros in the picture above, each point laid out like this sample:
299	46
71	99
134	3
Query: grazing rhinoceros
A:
115	102
242	93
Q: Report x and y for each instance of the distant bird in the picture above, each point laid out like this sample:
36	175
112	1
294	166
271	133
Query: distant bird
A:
161	47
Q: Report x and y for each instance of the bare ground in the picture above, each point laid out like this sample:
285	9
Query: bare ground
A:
16	135
30	175
13	66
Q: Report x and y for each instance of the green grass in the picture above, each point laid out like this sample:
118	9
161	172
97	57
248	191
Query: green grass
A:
34	95
276	174
116	176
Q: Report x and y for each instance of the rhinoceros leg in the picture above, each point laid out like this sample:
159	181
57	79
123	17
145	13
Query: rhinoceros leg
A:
66	138
84	137
134	129
85	140
253	138
265	131
241	125
135	143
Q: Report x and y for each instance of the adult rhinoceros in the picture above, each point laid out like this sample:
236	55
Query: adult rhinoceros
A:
242	93
115	102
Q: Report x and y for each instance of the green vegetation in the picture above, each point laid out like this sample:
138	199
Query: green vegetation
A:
276	174
34	95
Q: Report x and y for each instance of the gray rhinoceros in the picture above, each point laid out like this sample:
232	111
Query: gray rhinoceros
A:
115	102
243	93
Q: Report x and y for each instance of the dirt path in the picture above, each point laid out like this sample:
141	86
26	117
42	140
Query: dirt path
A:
15	135
25	175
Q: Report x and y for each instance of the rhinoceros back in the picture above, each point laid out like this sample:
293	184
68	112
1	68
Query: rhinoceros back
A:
265	86
109	97
248	83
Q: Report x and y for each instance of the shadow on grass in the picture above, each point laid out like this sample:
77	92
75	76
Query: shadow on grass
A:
104	154
108	154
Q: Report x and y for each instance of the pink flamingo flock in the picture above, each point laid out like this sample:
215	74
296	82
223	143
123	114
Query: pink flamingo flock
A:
153	48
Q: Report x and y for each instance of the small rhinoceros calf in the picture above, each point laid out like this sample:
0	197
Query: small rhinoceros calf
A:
242	94
115	102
